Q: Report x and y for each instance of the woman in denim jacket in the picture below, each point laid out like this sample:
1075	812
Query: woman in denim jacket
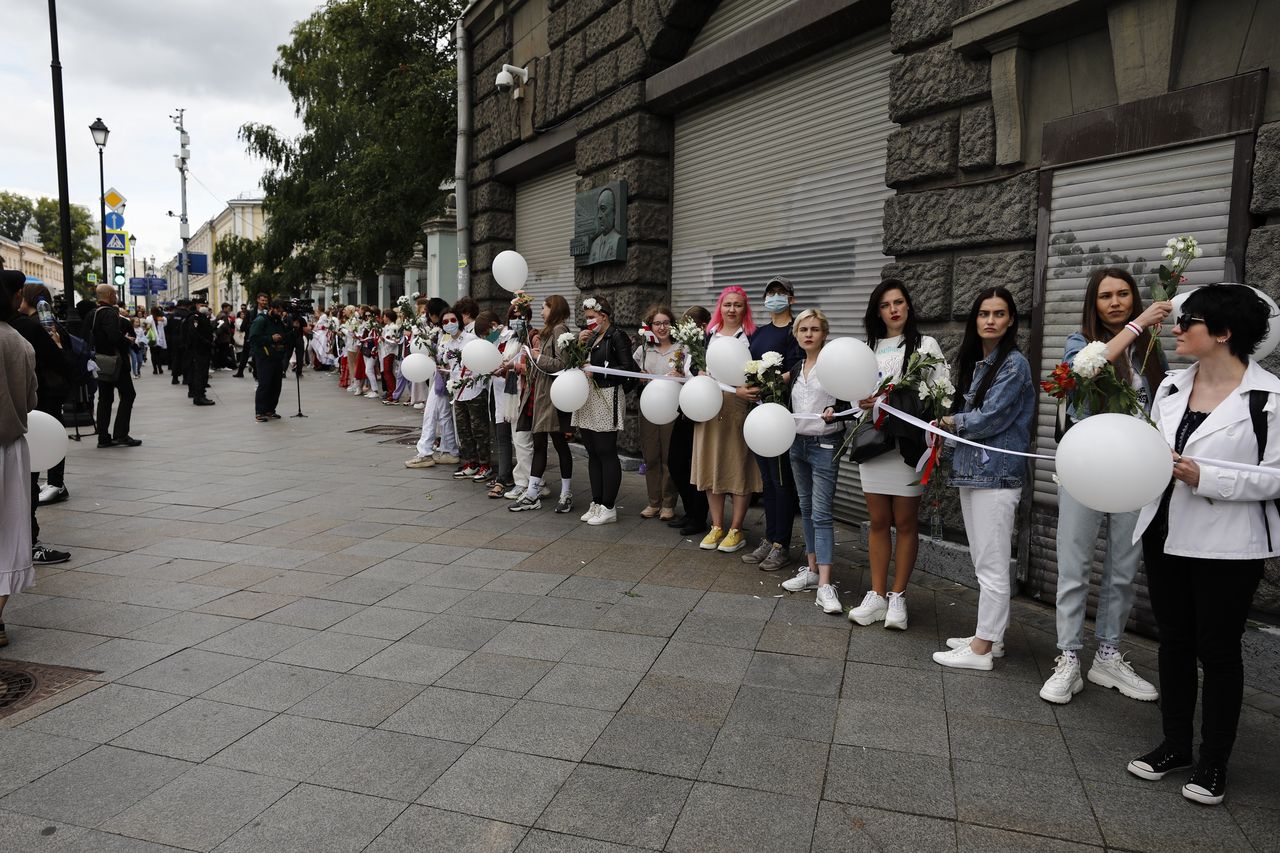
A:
1113	314
995	404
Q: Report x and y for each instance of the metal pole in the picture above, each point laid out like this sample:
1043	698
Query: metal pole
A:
64	192
102	216
184	231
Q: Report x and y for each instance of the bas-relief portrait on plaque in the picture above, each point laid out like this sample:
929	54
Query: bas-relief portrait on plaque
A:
600	225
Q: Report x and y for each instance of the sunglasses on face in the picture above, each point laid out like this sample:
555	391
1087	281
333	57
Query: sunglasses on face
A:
1187	320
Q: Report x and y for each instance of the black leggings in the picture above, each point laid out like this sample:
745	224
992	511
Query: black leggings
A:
603	465
1200	607
538	465
680	464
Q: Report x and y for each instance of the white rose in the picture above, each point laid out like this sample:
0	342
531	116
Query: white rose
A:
924	392
1090	360
771	359
565	339
1171	242
1197	252
1167	253
1180	245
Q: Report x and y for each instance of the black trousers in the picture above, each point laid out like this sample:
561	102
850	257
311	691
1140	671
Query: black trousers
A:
197	374
106	398
270	373
603	466
243	357
680	464
177	361
1200	608
538	464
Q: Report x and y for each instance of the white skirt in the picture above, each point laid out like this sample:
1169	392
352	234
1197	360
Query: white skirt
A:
887	474
16	571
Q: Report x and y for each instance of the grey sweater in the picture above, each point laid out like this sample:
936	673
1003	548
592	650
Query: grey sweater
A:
17	383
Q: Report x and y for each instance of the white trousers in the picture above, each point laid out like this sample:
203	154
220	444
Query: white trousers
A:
523	442
988	522
437	422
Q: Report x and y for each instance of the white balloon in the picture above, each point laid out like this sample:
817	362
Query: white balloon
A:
510	270
1114	463
418	367
569	390
726	357
700	398
47	439
847	369
481	356
660	401
769	430
1268	344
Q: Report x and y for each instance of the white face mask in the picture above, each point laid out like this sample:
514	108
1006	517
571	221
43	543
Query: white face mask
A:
776	303
451	328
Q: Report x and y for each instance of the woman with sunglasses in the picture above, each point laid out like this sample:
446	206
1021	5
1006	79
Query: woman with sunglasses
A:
1113	314
994	405
1205	539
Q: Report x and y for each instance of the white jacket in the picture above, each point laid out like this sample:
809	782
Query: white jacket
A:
1222	518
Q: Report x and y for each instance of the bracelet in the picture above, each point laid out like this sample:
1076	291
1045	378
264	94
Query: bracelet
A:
1133	327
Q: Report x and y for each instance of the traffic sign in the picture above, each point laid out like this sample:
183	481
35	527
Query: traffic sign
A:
117	242
114	221
113	199
92	277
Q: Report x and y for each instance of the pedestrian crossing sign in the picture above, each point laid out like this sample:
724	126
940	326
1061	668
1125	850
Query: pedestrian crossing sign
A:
117	242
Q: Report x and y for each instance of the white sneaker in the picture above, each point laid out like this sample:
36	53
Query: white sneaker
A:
872	609
446	458
828	600
514	494
420	461
603	515
1118	673
997	648
1065	681
419	406
964	658
590	513
896	616
804	579
372	395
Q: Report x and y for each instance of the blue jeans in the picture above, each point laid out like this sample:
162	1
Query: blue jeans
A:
814	463
1077	538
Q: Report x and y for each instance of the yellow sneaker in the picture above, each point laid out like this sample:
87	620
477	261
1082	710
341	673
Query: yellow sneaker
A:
712	539
733	541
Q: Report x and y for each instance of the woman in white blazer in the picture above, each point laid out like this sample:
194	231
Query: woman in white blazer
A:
1204	540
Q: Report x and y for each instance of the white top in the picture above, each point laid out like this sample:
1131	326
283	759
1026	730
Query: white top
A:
891	356
808	396
654	360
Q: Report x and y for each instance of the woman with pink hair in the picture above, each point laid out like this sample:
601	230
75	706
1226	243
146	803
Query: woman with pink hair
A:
722	463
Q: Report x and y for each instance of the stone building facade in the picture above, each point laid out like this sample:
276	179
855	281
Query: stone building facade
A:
992	105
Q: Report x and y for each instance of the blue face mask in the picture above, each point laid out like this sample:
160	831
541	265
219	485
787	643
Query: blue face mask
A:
493	336
451	328
776	303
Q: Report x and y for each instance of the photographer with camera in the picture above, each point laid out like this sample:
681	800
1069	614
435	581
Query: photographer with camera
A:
271	340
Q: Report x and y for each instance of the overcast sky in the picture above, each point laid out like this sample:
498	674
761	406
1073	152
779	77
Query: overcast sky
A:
132	62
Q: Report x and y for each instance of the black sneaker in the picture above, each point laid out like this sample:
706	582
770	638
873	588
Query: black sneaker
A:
565	504
1207	785
525	503
128	441
43	555
1158	762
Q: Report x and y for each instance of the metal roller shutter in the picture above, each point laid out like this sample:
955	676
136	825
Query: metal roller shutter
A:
786	177
1118	213
544	228
731	16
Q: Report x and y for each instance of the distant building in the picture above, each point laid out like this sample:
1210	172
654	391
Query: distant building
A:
29	256
243	217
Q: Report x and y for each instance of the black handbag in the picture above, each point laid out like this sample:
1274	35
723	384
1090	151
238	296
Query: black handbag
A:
867	444
109	366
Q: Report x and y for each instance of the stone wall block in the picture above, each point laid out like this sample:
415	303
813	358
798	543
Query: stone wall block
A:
557	26
646	177
632	60
929	282
1261	269
977	137
580	13
629	299
597	149
626	100
666	41
493	225
1012	270
645	264
648	220
934	80
926	149
1266	171
482	255
492	195
965	216
643	133
919	22
609	30
492	46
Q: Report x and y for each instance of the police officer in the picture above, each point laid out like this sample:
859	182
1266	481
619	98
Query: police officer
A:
197	337
177	344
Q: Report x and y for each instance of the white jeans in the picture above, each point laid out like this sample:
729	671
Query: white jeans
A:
437	420
523	442
988	522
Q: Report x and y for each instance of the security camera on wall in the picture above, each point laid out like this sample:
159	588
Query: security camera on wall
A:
506	80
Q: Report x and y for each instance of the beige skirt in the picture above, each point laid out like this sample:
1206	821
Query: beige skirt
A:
722	462
16	570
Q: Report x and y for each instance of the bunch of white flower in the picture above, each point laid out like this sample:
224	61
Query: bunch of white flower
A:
1090	360
771	359
565	339
752	368
1185	244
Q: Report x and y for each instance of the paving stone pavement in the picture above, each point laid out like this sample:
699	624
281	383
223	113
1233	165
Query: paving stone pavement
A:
305	646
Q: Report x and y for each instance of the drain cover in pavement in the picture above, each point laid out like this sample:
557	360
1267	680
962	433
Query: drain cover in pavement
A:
408	440
385	429
24	684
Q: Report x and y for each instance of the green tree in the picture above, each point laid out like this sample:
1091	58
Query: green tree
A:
240	256
373	83
84	238
15	213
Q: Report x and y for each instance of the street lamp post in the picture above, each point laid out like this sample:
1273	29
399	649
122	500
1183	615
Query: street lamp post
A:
100	132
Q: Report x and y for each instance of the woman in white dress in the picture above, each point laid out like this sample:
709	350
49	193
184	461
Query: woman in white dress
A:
17	398
893	501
